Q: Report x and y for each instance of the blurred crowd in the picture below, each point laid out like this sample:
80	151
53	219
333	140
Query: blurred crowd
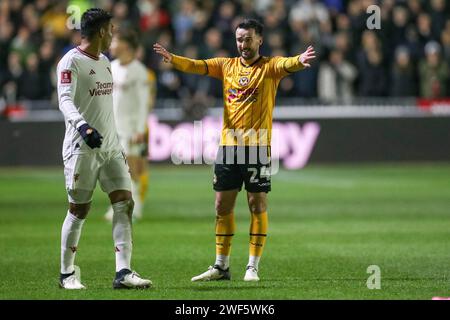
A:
408	56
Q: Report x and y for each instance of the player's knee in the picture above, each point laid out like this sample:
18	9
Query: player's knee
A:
79	210
119	195
257	205
223	207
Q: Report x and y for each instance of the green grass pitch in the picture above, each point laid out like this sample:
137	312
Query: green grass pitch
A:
327	225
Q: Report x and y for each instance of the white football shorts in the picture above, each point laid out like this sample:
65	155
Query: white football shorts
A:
83	170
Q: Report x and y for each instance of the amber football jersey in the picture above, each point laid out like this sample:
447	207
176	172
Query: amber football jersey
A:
248	93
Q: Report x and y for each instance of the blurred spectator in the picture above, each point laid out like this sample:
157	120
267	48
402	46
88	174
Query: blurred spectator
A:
438	15
55	19
403	75
169	82
424	28
305	82
445	40
21	43
356	15
46	58
29	82
335	79
433	72
121	16
211	43
248	10
11	77
75	40
6	32
36	31
194	93
32	23
334	6
342	43
200	25
152	15
309	11
373	81
415	8
184	21
400	20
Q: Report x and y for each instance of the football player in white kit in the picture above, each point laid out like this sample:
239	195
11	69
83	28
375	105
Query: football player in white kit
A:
131	96
92	151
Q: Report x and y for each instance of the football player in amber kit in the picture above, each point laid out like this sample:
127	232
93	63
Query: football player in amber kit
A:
250	83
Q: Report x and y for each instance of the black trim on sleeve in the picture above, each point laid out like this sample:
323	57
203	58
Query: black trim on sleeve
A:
207	69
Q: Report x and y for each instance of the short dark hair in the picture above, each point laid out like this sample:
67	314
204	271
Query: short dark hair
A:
129	36
251	24
92	20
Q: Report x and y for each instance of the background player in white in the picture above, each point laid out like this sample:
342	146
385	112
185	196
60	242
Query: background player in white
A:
91	150
131	96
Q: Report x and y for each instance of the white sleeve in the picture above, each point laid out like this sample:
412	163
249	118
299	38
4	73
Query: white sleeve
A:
143	92
67	84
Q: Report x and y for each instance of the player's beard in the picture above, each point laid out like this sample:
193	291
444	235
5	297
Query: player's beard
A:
247	54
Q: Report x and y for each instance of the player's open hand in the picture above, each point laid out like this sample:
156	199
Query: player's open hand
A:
307	56
159	49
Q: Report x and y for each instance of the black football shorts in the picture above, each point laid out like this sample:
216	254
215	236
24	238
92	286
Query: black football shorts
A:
236	165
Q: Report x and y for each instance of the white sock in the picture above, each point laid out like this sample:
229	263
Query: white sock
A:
121	229
253	261
222	261
70	235
135	187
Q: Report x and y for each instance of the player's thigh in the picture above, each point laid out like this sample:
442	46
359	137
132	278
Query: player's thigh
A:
81	172
227	175
114	174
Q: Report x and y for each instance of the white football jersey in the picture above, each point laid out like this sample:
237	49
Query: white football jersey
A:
131	98
85	94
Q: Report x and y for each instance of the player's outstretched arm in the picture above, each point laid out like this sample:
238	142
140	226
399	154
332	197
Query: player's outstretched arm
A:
181	63
306	57
299	62
159	49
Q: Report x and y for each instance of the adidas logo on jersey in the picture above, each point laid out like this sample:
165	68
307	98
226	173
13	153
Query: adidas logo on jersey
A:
92	72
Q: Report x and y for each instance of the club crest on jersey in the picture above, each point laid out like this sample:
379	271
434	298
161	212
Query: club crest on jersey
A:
243	81
66	76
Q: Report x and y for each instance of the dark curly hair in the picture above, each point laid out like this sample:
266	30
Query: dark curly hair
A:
251	24
92	20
